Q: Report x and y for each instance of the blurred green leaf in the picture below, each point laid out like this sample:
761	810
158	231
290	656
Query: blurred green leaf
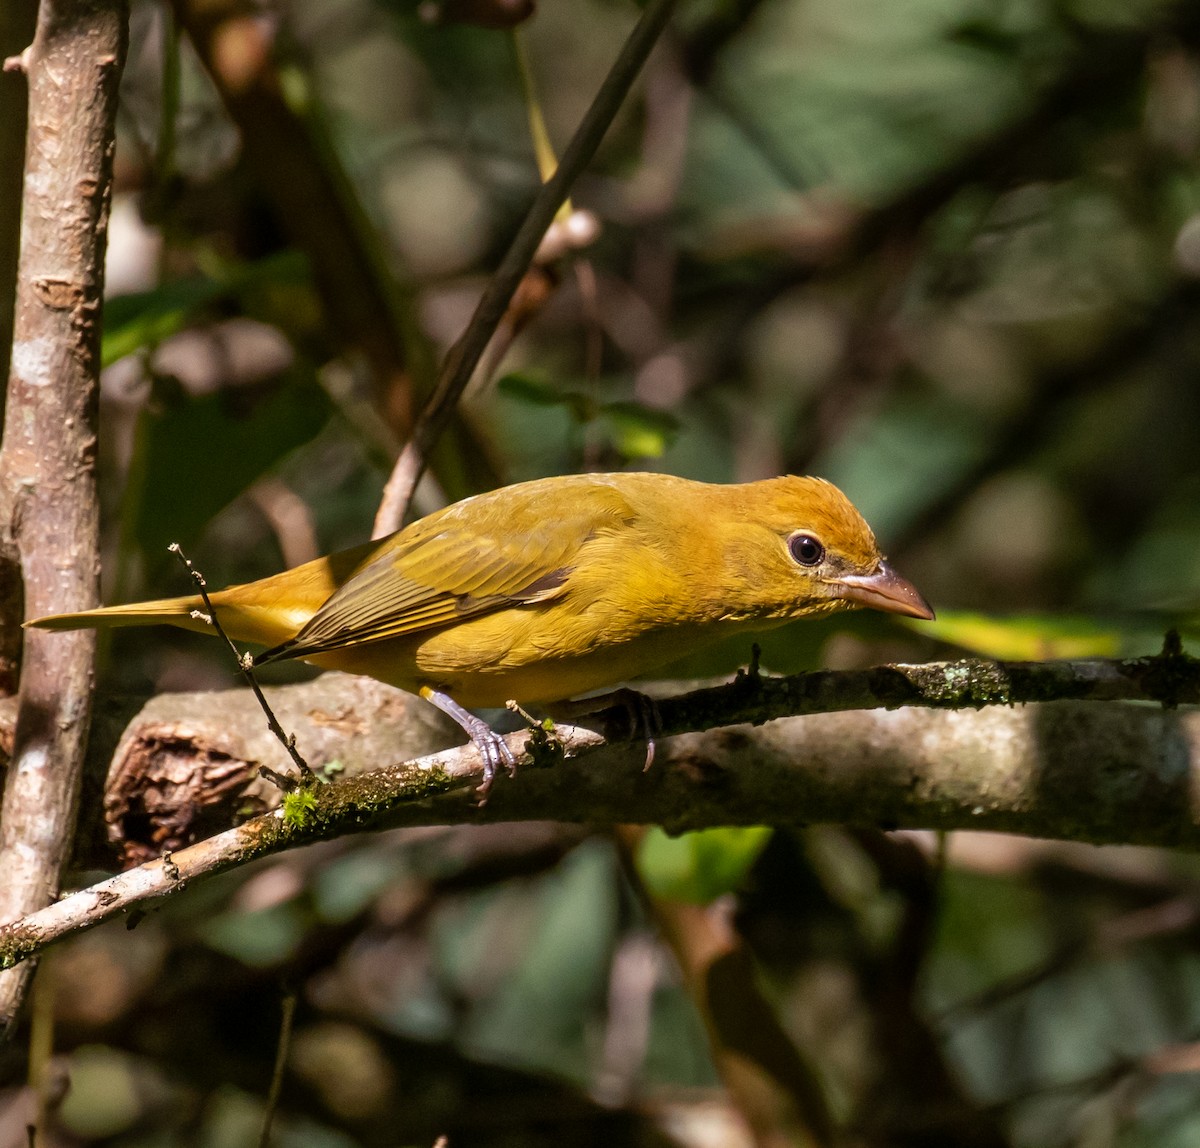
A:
1025	637
132	322
145	318
893	460
194	455
702	866
858	99
635	431
535	391
261	938
638	431
103	1099
989	928
529	388
559	936
348	884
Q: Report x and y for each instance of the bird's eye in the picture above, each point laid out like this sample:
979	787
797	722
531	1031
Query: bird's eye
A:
805	549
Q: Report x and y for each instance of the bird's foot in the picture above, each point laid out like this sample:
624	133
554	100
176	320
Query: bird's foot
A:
645	720
492	747
494	751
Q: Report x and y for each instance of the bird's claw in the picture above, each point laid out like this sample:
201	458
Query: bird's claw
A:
496	755
645	719
493	749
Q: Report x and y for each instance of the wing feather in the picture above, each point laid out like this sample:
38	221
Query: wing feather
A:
488	553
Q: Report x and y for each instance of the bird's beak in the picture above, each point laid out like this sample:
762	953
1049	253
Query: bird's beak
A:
885	590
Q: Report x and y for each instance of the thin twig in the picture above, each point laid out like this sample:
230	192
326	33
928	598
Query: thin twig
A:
286	1020
41	1043
464	356
245	664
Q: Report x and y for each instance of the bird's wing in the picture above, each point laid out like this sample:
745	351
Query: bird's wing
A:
468	560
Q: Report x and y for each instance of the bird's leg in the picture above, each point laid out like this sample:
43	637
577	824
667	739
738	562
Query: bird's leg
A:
645	721
492	747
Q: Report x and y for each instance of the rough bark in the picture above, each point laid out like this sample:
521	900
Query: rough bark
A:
17	21
188	765
48	509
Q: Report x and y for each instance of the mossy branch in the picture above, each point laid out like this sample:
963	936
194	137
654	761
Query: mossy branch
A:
912	754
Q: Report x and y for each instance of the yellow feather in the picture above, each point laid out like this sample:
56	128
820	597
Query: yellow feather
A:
551	588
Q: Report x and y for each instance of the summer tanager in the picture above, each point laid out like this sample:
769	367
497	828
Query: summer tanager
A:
548	589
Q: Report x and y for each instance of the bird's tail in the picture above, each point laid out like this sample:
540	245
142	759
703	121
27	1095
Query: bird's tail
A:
172	611
271	611
244	617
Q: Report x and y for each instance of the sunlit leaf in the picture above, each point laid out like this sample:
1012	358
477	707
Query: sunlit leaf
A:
699	867
1025	637
637	431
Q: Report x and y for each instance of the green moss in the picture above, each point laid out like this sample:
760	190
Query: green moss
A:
17	943
298	807
973	684
543	747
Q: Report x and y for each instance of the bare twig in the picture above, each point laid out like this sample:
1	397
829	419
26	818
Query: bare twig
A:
464	356
48	508
245	664
282	1048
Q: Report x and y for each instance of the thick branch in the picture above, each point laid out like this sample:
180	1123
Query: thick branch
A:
48	509
186	764
17	21
1074	769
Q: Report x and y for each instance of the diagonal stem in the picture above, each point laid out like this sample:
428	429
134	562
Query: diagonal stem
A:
464	356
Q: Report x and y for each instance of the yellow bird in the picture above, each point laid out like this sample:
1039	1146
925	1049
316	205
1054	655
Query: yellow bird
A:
549	589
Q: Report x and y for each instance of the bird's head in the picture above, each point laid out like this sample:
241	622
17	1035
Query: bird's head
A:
819	553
